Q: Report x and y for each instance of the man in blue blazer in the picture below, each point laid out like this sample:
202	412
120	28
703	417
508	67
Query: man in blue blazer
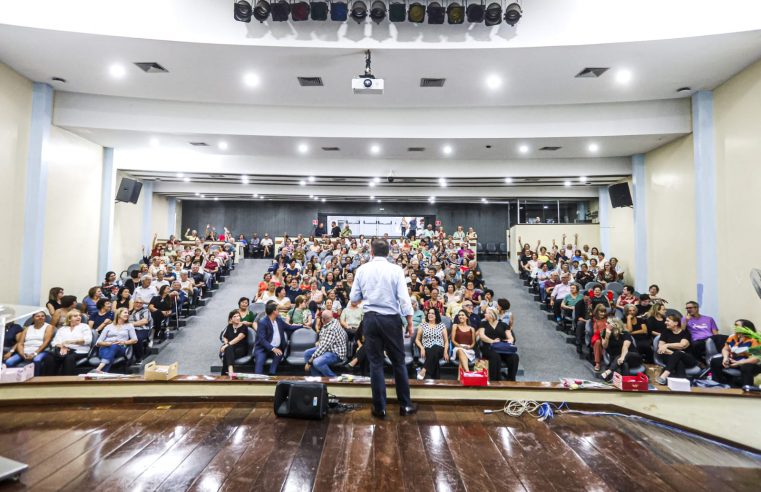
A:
271	339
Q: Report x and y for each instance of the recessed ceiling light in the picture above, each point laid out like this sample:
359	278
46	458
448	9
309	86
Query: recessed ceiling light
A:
508	180
303	148
180	175
311	196
583	179
372	197
623	76
567	183
593	147
198	194
244	179
316	198
187	180
251	79
222	145
256	195
379	201
155	142
483	200
443	182
203	196
216	198
323	200
371	184
311	179
523	149
493	82
117	71
447	149
546	206
376	179
302	183
261	197
375	149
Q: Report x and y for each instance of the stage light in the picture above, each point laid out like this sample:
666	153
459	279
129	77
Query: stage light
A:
416	13
319	11
262	10
623	76
436	13
117	71
242	11
493	14
222	145
280	11
378	12
475	13
513	14
251	79
358	11
300	11
397	12
338	11
455	13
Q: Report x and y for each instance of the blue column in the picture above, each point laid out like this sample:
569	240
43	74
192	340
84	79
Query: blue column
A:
30	281
147	232
171	216
705	202
107	197
640	223
602	217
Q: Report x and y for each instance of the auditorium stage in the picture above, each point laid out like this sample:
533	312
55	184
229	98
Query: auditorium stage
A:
243	446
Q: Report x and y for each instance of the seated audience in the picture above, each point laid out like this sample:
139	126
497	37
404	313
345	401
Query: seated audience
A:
146	291
67	304
505	315
492	331
330	348
32	346
114	339
432	340
103	315
141	320
54	300
599	322
271	339
71	344
12	335
735	355
621	349
626	297
639	331
246	315
123	299
93	295
463	342
161	310
300	314
351	317
700	328
234	342
673	348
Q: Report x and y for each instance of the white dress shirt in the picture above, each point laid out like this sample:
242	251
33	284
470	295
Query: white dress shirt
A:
80	332
382	288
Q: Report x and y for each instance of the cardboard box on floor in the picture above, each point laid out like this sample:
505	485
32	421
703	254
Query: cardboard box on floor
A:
653	371
155	372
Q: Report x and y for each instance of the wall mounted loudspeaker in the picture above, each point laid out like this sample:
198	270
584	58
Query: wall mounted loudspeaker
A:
620	196
301	400
129	190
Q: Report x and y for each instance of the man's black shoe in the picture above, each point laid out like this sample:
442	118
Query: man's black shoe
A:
405	411
381	414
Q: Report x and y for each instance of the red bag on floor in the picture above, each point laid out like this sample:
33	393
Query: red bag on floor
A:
474	378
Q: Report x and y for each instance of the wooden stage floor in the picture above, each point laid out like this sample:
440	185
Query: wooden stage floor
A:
243	446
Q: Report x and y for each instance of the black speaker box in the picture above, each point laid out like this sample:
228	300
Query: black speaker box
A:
129	190
620	196
299	399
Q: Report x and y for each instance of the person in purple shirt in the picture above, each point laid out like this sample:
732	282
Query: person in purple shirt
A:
701	328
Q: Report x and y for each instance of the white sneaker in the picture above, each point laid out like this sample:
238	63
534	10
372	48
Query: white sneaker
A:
420	376
150	343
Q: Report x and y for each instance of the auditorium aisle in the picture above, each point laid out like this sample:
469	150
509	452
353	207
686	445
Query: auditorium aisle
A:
196	346
544	353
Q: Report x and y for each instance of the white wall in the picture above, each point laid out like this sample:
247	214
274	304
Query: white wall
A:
15	121
531	233
72	213
160	219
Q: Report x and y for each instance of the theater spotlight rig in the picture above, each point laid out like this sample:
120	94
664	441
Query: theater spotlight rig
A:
367	83
436	12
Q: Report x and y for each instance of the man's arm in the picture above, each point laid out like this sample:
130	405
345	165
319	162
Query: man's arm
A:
356	290
260	340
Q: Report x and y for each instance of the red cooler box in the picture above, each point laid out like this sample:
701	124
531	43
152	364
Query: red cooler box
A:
630	383
474	378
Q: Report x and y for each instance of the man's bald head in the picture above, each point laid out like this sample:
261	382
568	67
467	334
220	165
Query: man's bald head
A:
327	316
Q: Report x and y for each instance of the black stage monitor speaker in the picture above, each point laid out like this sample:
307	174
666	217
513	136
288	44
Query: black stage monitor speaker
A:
301	400
129	190
620	196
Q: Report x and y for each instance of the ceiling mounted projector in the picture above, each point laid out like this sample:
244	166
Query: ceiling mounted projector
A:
367	83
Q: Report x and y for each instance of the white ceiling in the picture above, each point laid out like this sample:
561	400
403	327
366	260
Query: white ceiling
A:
531	76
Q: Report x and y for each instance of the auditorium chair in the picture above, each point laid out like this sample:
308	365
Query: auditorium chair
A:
713	351
409	346
633	370
30	320
93	360
691	372
616	287
502	251
257	308
248	358
301	340
491	250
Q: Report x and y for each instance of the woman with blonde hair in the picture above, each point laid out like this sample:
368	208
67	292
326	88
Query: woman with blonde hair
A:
71	344
621	349
114	339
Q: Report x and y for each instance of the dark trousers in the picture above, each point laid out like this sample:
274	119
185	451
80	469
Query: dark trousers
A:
556	309
632	359
233	352
698	348
361	355
495	365
142	342
384	333
432	366
404	232
66	365
260	357
678	362
644	347
747	372
581	327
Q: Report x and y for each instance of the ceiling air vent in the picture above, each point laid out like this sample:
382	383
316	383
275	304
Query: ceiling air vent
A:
550	148
428	82
415	149
310	81
151	67
331	149
591	72
199	144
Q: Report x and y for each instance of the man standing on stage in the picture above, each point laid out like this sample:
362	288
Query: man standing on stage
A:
382	288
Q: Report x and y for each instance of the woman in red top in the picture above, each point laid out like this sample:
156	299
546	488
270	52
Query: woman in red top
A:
211	266
599	322
434	302
626	297
463	341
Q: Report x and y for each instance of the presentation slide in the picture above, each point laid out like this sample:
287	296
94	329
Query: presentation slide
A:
377	225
